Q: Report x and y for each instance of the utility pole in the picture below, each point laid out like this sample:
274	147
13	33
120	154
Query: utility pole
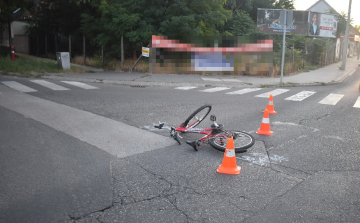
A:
346	39
287	17
283	49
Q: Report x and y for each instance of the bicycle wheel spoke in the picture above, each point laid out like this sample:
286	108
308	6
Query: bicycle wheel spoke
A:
241	142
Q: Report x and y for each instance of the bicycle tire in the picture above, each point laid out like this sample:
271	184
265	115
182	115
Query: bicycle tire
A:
190	122
242	142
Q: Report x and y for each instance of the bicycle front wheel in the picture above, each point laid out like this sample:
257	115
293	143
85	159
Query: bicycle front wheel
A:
242	141
195	118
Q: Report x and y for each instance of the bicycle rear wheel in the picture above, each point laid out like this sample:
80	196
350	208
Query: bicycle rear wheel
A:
197	116
242	141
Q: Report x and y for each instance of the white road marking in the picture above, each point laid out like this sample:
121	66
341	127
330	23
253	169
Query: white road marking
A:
244	91
80	85
185	88
231	80
263	159
357	103
116	138
19	87
50	85
210	79
331	99
215	89
274	93
300	96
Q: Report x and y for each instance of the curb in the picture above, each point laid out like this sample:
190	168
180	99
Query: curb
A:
346	75
180	84
146	83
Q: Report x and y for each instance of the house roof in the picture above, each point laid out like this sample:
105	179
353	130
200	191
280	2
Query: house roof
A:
321	1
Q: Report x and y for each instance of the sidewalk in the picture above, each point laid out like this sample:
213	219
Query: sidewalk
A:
330	74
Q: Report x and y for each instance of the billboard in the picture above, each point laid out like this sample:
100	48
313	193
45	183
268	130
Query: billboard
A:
227	54
268	21
323	25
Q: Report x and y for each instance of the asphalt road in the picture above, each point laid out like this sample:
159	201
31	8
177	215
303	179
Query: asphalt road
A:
77	164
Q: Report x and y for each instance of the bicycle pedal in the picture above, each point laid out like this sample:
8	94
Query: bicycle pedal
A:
175	136
193	144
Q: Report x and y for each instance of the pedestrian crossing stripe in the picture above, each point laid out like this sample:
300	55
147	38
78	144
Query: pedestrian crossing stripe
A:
50	85
300	96
274	93
357	103
210	79
185	88
215	89
80	85
331	99
244	91
19	87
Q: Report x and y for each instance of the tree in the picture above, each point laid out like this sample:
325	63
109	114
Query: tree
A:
59	20
7	8
284	4
238	5
357	27
341	25
241	24
138	20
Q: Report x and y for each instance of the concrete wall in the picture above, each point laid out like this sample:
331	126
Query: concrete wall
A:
21	43
18	33
18	28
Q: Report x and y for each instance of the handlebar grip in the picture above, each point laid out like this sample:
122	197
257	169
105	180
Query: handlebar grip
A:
159	126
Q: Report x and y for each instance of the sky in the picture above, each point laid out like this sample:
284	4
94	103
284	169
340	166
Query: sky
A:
338	5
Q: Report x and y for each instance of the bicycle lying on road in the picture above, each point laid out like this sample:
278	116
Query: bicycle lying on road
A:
216	135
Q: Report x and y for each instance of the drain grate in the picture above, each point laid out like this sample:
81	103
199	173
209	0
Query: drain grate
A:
138	86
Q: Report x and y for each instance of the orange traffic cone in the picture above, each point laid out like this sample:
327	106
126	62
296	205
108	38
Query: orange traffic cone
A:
265	125
228	165
270	106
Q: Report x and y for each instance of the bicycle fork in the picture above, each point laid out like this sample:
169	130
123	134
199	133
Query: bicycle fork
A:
175	135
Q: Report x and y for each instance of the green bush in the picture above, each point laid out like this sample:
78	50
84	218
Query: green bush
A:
29	65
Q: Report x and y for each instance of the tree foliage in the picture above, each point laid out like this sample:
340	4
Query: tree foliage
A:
241	24
104	22
7	8
55	16
357	27
138	20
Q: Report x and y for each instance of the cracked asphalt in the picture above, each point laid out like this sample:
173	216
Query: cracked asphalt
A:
312	175
307	172
167	185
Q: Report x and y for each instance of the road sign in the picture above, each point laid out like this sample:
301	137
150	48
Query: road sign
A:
145	52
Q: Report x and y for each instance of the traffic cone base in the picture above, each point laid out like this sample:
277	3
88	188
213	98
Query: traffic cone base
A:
270	106
232	171
265	125
271	112
228	165
261	132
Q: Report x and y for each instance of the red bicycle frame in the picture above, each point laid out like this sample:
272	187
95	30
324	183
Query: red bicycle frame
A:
206	131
